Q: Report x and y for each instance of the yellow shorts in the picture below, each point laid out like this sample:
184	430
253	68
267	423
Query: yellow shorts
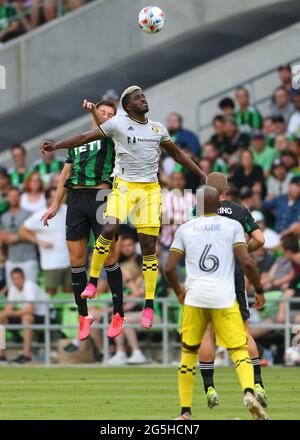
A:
228	325
138	202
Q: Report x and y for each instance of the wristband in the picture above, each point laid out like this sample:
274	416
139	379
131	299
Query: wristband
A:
259	291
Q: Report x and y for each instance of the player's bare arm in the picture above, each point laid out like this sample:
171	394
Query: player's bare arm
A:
91	107
257	240
172	277
59	194
251	272
183	159
73	141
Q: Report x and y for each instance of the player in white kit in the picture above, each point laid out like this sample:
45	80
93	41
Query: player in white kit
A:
136	192
209	243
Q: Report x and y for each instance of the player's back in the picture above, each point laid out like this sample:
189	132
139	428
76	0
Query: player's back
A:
207	242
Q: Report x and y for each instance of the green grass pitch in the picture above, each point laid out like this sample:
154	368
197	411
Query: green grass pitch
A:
133	393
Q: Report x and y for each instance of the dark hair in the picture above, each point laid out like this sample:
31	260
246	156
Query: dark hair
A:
49	191
226	102
290	243
17	270
180	118
107	103
126	100
219	118
277	119
18	146
14	188
281	88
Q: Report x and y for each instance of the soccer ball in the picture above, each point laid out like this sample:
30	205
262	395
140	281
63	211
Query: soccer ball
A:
152	19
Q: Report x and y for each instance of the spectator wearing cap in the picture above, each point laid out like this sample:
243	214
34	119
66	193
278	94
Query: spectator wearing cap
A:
272	239
278	181
234	139
181	135
4	187
263	155
248	174
247	117
294	122
282	105
285	76
285	207
289	160
218	125
227	106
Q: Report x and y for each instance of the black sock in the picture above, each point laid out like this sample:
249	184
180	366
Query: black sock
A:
93	281
149	303
114	279
249	390
257	371
185	409
207	372
79	281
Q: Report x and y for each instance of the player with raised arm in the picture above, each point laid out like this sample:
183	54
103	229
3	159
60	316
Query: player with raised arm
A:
210	243
87	170
238	212
136	191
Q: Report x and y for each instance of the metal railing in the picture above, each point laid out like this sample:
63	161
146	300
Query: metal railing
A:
208	106
165	326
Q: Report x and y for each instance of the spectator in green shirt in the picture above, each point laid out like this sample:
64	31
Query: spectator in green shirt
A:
4	187
247	117
211	153
263	155
20	171
8	23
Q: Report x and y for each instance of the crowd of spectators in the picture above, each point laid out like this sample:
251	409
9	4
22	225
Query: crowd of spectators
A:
260	154
20	16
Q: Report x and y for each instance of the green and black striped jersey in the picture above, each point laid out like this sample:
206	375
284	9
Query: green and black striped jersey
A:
249	120
17	179
92	163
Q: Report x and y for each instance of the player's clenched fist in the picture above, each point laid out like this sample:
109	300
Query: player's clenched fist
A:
47	146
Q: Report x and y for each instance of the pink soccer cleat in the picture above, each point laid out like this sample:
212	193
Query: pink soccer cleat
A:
84	329
89	291
116	326
147	318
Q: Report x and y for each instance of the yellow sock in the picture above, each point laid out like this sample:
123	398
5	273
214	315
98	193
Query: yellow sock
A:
101	250
186	377
243	365
150	270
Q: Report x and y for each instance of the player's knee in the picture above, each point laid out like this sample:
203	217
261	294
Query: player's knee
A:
190	348
148	246
110	230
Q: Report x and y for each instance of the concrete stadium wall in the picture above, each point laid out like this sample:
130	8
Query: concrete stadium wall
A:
183	92
94	38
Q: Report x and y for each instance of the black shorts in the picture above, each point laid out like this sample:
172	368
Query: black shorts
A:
82	212
16	320
242	300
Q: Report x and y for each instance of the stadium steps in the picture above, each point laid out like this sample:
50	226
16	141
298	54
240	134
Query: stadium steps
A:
149	68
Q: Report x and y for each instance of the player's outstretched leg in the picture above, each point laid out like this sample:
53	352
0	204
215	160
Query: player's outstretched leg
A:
150	272
244	370
100	253
259	390
206	364
186	381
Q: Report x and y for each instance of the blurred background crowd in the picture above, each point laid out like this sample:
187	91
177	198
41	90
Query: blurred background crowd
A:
259	153
21	16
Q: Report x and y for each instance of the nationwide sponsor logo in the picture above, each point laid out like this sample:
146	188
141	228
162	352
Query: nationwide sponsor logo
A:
134	140
131	139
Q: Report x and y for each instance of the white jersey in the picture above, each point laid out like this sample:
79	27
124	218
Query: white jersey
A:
208	242
137	147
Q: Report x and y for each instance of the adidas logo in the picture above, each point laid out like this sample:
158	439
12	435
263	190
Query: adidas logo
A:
131	128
